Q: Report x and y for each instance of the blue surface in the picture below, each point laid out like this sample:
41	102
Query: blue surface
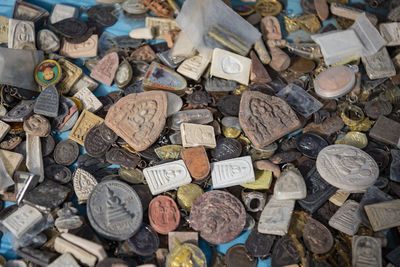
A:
123	27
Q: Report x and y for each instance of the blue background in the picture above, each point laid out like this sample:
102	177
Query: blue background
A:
123	27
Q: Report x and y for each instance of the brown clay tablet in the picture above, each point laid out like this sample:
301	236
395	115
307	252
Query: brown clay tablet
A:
164	214
196	160
139	118
218	216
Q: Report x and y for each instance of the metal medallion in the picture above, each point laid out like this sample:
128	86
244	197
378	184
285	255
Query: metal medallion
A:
285	252
186	254
107	134
187	195
164	214
268	7
120	156
218	216
317	238
66	152
58	173
105	15
145	242
227	148
48	72
310	144
47	195
258	244
374	109
114	210
199	99
229	105
236	256
70	27
347	167
318	191
94	144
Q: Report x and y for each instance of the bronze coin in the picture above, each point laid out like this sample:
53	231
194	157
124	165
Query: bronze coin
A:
164	214
317	237
94	144
218	216
236	256
196	160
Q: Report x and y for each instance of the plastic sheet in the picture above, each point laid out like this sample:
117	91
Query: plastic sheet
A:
198	17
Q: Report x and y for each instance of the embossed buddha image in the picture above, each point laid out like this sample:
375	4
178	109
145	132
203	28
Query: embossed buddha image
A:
164	213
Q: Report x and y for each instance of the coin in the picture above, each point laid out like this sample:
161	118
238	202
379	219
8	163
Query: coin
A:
58	173
114	210
236	256
145	242
120	156
218	216
227	148
317	238
310	144
164	214
94	144
346	167
258	244
268	7
66	152
229	105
